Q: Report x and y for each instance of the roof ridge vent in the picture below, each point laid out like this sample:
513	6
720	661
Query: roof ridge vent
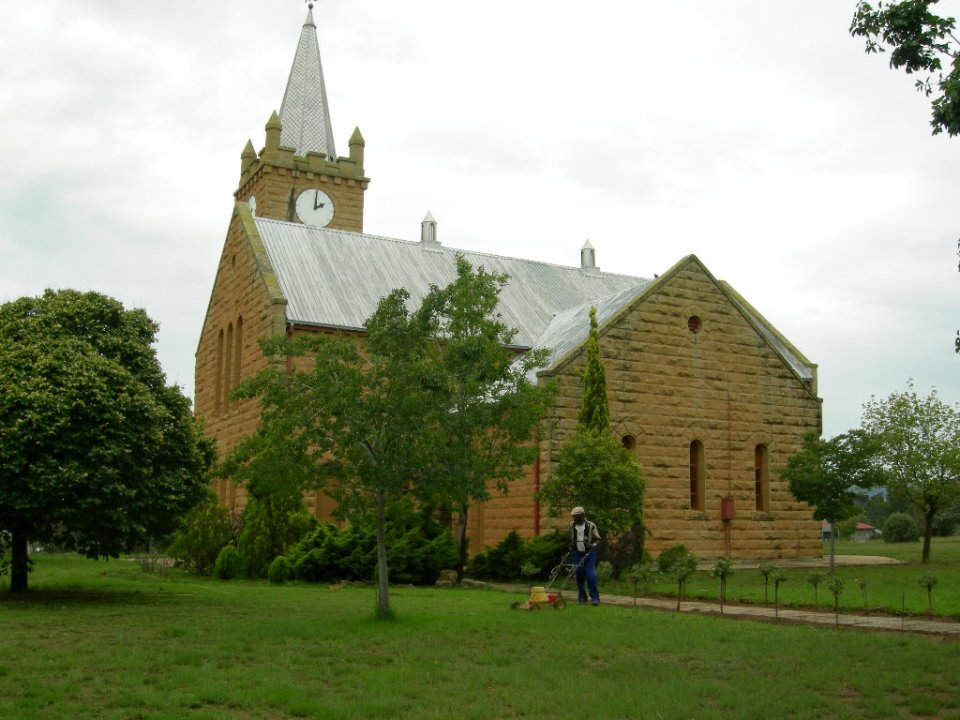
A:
428	233
588	259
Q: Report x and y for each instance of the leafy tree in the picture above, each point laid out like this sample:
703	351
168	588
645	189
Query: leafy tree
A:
427	404
95	448
918	443
827	474
921	42
491	408
352	416
593	468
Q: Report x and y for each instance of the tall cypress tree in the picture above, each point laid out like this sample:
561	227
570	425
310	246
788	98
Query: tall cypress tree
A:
594	409
595	470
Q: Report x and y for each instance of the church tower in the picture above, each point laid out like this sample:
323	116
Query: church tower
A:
297	176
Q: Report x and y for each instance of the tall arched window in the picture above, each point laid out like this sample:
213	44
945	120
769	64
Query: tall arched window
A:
761	478
218	380
237	349
228	366
696	475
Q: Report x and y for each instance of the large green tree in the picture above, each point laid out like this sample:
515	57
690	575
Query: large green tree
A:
830	475
427	403
921	42
593	468
493	403
918	444
96	451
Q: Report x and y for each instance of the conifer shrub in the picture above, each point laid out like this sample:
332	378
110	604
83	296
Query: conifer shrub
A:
900	527
271	525
502	562
279	570
545	551
418	548
206	530
229	564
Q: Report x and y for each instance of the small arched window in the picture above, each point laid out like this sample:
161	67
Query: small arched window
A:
697	473
629	442
237	349
761	478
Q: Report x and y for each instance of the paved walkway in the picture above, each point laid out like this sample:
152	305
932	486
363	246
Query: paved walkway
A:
789	615
763	613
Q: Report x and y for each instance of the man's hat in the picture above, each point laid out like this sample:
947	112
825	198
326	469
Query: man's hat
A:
577	511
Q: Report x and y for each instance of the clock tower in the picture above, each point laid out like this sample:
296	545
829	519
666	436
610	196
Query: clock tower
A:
297	176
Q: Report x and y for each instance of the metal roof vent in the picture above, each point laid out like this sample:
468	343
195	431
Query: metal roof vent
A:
588	259
428	233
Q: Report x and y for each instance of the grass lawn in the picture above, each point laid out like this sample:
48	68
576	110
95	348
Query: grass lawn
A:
106	640
886	588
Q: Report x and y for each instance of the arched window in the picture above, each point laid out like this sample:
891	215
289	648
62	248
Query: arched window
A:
761	478
696	475
237	350
228	366
218	380
629	442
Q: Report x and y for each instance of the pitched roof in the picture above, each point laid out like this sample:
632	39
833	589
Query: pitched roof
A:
304	112
334	278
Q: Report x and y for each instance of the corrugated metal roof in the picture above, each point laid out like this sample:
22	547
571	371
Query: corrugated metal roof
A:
336	278
569	329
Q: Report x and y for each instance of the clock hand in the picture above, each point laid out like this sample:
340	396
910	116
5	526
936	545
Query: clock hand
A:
317	205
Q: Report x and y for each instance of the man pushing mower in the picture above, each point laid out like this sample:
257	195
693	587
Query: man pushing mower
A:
584	539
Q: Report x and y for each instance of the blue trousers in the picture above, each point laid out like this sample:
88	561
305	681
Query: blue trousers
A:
586	576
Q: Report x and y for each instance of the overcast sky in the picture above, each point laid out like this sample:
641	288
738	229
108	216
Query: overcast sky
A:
752	133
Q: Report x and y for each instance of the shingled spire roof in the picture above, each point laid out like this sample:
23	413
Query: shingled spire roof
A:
304	113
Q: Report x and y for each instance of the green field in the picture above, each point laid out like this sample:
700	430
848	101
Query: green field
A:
106	640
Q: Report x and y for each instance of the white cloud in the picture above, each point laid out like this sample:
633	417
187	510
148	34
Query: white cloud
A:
756	135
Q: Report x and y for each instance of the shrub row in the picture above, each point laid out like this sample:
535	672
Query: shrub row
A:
514	557
418	548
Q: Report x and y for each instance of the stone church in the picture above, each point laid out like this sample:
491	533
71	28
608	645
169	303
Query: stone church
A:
710	397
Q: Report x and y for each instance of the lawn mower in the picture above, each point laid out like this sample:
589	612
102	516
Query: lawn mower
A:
547	596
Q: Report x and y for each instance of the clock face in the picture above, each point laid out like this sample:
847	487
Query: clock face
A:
314	207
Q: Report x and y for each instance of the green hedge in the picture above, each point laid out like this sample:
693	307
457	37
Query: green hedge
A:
418	548
504	561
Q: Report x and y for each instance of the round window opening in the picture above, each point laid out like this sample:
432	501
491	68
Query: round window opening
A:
694	324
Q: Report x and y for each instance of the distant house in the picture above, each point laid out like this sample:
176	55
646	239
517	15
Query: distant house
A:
861	533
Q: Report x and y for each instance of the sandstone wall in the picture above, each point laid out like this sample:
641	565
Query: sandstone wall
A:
668	386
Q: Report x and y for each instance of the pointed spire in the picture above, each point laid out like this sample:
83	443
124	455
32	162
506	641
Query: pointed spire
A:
304	113
247	157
